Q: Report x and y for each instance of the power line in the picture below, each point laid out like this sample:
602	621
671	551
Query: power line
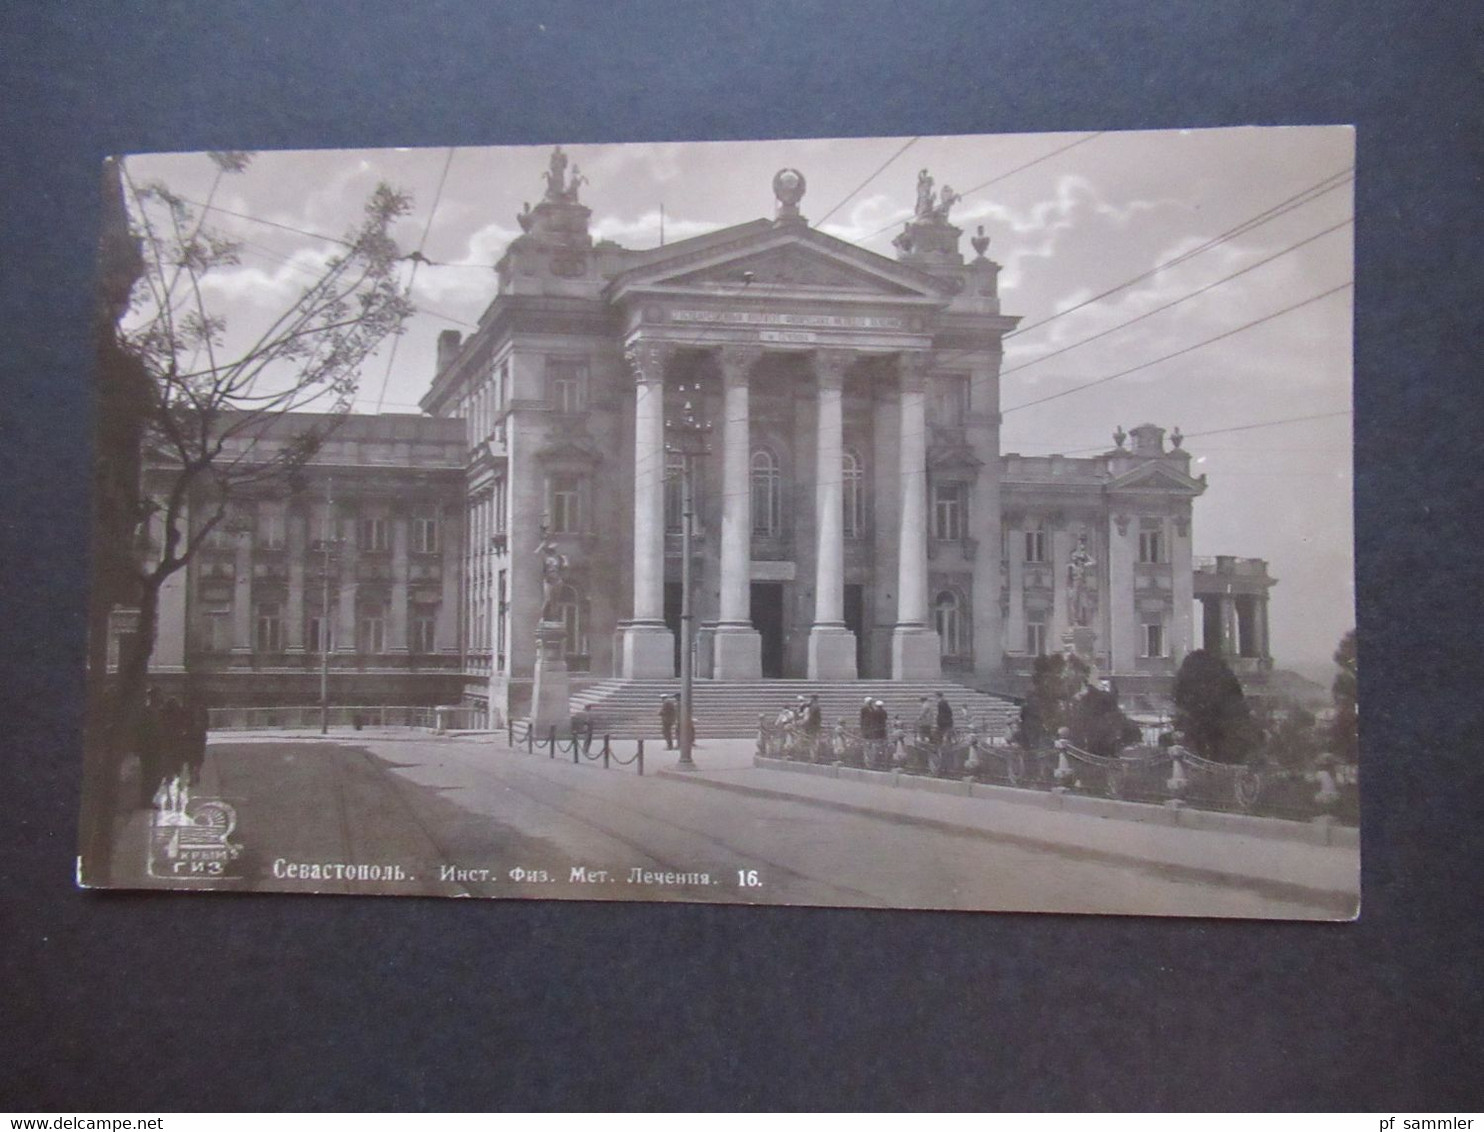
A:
1298	200
1223	431
1183	298
269	223
1184	350
879	170
417	261
992	181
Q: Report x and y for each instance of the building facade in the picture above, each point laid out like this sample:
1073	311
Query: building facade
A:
854	514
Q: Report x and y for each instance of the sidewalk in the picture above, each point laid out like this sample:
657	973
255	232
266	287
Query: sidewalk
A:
1249	849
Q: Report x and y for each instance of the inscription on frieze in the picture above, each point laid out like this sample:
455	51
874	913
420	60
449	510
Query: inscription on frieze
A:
768	318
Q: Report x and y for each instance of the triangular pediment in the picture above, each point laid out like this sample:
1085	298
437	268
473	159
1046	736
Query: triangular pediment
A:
768	260
576	451
1156	476
792	268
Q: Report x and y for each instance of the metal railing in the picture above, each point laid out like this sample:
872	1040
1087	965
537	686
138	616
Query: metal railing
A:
577	743
1142	773
347	717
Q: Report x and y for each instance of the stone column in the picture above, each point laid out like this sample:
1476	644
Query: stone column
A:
1124	645
242	636
396	617
1015	568
1228	625
343	523
831	644
451	546
1264	648
737	650
295	537
1182	589
914	643
648	645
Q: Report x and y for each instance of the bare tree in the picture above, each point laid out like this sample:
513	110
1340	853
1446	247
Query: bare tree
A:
207	400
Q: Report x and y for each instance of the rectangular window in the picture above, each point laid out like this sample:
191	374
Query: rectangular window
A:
218	630
565	383
1035	546
1035	638
270	628
499	507
272	523
1151	547
373	633
425	534
948	512
1154	640
424	633
375	534
319	635
566	505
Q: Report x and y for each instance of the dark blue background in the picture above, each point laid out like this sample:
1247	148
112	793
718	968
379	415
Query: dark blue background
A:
159	1002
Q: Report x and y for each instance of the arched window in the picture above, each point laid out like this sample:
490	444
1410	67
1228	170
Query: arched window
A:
674	491
952	624
767	503
853	495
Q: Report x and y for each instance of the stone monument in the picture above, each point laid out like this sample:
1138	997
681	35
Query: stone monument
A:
1082	603
551	692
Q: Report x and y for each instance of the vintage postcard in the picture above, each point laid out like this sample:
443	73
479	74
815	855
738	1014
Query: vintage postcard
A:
931	522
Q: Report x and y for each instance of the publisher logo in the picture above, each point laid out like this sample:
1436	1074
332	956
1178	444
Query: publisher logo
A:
190	839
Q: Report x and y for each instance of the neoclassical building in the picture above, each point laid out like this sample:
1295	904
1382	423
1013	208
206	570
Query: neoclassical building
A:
854	514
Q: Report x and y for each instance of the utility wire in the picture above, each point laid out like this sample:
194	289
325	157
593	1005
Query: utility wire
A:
1222	432
992	181
879	170
1183	298
417	261
1298	200
1184	350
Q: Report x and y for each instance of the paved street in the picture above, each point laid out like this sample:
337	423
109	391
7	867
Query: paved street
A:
467	816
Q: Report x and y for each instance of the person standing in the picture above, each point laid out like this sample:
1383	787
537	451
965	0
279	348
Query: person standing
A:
813	725
668	712
944	718
927	717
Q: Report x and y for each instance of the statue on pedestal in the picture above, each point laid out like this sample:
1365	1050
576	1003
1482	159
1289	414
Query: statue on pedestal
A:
1082	598
553	576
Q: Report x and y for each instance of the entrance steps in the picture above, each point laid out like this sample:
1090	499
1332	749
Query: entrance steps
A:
629	709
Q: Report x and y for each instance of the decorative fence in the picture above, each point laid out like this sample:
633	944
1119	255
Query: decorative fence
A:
579	744
1136	774
342	718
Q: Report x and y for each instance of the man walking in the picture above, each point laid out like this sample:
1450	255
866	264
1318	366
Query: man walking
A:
668	712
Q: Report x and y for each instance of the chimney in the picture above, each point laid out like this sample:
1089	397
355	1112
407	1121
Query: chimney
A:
449	342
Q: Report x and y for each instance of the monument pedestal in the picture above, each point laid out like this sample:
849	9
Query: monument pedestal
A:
551	693
1081	640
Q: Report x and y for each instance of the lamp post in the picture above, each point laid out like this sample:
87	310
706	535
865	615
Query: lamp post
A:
689	435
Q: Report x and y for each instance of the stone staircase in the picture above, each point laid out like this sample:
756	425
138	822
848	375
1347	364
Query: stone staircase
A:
629	709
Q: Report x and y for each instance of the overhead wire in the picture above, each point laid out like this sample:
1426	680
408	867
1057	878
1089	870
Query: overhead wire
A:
417	261
879	170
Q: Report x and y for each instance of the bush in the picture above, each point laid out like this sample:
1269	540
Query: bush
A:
1212	711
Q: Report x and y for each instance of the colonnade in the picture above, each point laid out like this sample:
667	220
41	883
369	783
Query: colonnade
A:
647	642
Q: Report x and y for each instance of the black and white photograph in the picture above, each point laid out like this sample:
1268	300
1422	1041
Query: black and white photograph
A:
957	522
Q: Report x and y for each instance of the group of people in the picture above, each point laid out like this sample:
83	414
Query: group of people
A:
934	719
171	746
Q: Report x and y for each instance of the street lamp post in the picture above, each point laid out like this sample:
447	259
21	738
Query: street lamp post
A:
689	435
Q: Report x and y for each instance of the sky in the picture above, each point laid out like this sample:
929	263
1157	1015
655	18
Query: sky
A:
1259	333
